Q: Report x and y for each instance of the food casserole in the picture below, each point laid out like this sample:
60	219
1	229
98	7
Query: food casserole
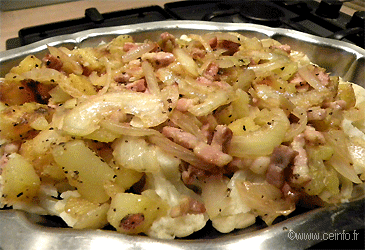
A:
339	58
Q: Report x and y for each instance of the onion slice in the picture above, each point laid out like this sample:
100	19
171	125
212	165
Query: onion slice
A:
84	118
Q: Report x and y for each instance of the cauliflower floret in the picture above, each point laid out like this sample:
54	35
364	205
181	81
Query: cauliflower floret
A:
236	214
226	224
47	200
168	185
60	207
356	146
169	228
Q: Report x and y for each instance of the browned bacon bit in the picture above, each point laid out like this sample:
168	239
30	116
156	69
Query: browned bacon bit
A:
181	137
322	75
122	78
281	157
131	221
313	136
300	170
52	62
222	137
183	104
317	114
187	205
192	174
159	59
207	153
300	84
231	47
213	42
290	194
137	86
197	53
211	71
337	105
129	46
284	47
208	127
167	42
211	155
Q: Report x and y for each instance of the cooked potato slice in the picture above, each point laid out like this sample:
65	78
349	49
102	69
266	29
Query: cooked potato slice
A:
21	183
27	64
132	213
87	214
84	170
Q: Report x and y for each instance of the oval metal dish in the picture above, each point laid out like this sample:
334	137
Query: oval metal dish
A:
20	230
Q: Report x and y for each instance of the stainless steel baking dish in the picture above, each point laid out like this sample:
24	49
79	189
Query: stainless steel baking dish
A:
20	230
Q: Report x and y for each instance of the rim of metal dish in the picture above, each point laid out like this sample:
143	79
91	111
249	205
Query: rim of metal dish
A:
78	37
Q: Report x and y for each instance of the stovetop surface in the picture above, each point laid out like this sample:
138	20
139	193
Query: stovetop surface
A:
323	18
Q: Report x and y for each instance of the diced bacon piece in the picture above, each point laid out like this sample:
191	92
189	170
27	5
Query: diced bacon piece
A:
181	137
167	41
281	157
204	151
316	114
188	205
207	82
52	62
313	136
290	194
11	147
339	104
221	137
204	81
160	59
131	221
300	84
129	46
211	71
137	86
300	173
212	155
231	47
122	78
213	43
284	47
192	174
183	104
197	53
322	75
3	160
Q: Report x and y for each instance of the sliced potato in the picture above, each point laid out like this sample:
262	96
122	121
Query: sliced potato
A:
84	169
27	64
21	183
132	213
88	215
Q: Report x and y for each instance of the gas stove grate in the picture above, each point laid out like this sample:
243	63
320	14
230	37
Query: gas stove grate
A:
322	18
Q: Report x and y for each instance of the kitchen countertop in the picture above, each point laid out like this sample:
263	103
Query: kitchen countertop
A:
12	21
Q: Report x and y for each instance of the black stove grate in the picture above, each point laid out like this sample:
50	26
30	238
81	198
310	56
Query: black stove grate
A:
318	18
93	19
322	19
